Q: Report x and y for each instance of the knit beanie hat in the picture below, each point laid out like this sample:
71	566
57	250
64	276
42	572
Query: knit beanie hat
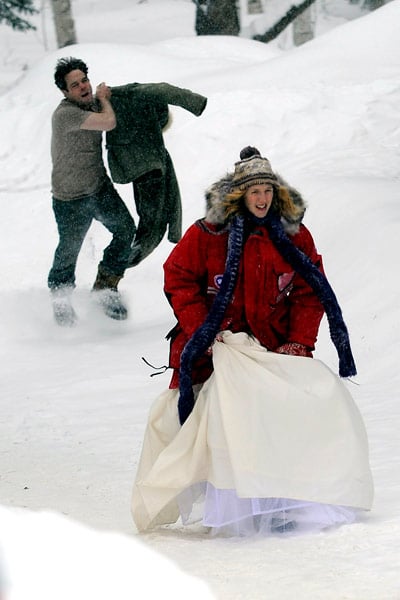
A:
252	169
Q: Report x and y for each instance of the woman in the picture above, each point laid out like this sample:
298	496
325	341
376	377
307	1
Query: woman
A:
273	442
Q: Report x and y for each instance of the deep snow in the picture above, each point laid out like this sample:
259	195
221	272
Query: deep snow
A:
74	403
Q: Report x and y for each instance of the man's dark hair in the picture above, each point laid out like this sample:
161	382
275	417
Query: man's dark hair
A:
65	66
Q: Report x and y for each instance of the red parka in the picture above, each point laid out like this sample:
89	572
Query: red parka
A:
270	300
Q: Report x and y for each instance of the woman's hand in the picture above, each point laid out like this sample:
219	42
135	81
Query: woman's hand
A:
218	338
294	349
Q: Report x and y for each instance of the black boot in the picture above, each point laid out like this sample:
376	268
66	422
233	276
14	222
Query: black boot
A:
108	295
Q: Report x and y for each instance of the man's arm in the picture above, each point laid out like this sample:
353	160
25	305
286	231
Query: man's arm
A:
105	119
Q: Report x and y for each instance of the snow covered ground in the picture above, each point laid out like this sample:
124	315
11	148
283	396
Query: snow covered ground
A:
74	403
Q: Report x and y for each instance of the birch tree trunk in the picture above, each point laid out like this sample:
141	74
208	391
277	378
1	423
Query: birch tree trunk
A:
63	22
303	28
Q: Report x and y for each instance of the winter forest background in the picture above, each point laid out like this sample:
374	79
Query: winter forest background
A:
74	403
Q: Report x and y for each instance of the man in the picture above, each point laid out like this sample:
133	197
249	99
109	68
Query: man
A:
82	191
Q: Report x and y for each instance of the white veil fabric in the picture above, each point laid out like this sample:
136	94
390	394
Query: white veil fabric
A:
274	442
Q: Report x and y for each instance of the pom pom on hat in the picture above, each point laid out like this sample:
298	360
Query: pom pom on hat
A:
248	152
252	169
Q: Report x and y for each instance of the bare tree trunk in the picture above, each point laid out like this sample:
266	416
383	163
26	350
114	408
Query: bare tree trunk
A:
254	7
63	22
217	17
303	28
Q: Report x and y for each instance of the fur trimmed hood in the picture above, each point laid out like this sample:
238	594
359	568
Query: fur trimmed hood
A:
215	210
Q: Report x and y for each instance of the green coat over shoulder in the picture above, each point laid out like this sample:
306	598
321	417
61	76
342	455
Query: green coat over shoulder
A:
136	154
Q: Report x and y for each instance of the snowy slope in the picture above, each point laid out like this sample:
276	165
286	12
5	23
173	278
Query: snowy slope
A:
74	403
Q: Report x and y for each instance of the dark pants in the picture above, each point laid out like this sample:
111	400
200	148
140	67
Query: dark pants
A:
74	218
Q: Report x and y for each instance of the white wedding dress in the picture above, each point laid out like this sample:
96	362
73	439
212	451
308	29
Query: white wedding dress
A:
274	443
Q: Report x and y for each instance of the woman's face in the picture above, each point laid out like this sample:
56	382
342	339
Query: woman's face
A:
258	199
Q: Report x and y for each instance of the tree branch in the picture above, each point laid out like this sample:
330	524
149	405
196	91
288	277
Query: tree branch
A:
9	10
290	16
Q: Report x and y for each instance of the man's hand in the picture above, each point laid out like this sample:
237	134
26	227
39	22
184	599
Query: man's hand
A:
105	119
103	91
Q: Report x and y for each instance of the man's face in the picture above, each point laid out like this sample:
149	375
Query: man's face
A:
78	89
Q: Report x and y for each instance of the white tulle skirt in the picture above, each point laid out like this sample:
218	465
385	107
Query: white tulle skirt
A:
223	512
275	444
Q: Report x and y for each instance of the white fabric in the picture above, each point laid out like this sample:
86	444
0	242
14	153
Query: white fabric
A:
223	512
264	425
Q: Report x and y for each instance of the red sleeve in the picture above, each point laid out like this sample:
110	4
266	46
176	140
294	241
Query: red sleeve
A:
185	279
306	310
